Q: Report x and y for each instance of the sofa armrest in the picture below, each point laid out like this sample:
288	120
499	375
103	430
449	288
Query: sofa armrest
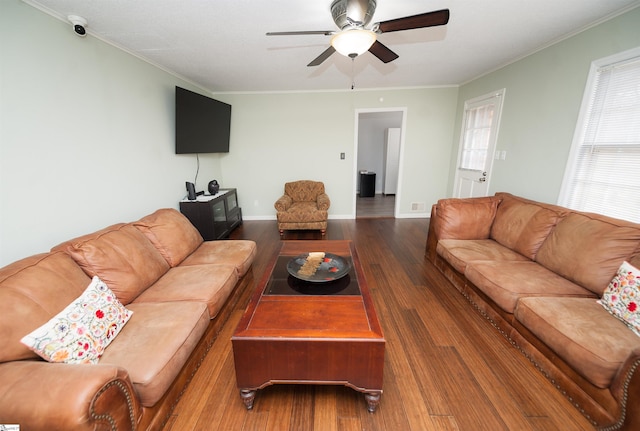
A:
40	395
283	203
323	202
432	241
626	389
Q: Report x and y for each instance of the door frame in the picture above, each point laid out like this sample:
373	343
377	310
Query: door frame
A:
403	127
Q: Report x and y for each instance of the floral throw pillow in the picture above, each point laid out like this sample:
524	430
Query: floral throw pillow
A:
622	297
80	333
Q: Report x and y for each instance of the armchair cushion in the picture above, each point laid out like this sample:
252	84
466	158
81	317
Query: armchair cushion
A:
304	190
300	212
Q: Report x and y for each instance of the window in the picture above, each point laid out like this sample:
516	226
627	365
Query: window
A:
477	131
602	174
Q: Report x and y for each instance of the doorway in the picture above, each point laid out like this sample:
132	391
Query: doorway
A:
372	127
377	206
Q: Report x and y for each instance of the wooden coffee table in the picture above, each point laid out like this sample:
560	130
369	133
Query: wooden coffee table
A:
310	333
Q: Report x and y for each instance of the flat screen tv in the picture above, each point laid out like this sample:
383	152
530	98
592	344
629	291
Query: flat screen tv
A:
203	124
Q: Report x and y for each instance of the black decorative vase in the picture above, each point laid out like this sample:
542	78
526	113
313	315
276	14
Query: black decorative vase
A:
213	187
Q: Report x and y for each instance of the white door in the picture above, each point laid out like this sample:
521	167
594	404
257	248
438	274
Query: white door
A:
478	138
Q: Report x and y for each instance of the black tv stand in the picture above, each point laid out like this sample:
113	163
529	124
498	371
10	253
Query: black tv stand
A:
215	216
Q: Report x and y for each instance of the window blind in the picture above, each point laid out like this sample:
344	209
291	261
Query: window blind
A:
606	169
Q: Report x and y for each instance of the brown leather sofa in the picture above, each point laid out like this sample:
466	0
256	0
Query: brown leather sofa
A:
535	271
304	205
178	288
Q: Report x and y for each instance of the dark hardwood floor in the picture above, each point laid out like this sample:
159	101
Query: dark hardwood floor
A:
377	206
446	368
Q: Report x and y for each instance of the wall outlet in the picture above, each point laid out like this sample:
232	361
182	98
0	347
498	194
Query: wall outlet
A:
418	206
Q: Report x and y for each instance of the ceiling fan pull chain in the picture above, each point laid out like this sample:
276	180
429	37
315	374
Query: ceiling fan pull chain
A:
353	74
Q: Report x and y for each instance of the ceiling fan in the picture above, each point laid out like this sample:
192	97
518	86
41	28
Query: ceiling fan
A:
354	38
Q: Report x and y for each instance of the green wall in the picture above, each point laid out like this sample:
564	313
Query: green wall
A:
289	136
541	106
87	132
87	138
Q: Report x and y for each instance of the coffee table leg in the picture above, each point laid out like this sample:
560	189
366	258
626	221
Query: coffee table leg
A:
248	395
373	399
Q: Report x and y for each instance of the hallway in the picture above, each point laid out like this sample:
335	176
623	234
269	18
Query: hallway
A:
376	207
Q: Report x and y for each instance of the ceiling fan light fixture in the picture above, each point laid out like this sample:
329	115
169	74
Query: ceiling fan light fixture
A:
353	42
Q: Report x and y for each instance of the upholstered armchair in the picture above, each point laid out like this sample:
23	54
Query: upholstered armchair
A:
304	205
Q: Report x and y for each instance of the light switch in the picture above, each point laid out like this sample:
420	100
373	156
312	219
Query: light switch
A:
341	156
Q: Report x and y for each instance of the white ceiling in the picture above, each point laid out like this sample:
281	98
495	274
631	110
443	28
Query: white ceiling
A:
221	45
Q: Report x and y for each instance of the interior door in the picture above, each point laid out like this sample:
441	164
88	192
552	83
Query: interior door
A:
480	124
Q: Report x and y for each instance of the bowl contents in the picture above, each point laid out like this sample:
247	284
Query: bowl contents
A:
311	263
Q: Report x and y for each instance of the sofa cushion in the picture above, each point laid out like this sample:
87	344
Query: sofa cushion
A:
156	343
239	253
505	282
171	233
460	252
522	225
38	286
210	284
465	218
588	248
621	298
121	256
581	332
81	332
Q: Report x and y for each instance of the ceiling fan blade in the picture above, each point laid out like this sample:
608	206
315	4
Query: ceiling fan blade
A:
322	57
429	19
382	52
295	33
